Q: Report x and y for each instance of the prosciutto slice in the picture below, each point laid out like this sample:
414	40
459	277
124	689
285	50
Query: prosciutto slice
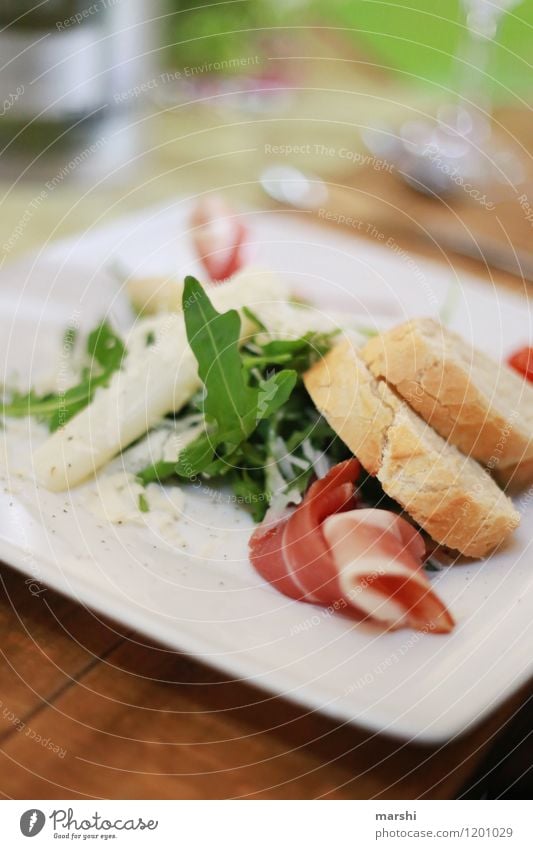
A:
364	561
218	237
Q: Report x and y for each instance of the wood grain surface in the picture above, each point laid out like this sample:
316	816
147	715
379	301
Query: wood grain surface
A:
88	710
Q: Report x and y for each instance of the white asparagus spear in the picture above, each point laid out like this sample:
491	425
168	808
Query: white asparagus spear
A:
160	381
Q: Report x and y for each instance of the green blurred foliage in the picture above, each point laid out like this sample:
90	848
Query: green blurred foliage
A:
420	37
219	32
414	38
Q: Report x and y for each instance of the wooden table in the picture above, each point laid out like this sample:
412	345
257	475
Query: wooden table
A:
120	717
88	709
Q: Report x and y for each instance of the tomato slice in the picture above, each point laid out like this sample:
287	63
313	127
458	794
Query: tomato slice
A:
522	362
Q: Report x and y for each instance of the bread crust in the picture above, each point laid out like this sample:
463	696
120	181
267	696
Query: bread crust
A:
515	478
351	401
430	368
447	494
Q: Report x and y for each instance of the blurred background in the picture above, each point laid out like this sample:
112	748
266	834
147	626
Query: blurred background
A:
110	105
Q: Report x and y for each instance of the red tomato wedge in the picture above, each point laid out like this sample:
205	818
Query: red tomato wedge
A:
364	561
218	237
522	362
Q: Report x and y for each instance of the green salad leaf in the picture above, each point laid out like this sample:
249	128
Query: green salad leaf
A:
263	435
232	404
104	346
144	507
105	352
214	338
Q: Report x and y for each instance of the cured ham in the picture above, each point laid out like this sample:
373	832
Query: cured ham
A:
365	561
218	237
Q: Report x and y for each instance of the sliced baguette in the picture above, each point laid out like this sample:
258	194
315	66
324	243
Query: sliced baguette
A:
446	493
515	478
480	405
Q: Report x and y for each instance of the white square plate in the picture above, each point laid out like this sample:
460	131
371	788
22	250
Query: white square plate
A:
199	593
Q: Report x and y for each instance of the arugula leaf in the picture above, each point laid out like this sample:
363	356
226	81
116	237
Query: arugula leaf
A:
300	353
255	319
274	392
157	472
196	456
104	346
54	409
250	493
231	403
72	401
106	351
214	339
262	433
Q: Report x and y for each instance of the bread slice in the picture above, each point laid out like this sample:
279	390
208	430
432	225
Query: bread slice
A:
515	478
480	405
446	493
